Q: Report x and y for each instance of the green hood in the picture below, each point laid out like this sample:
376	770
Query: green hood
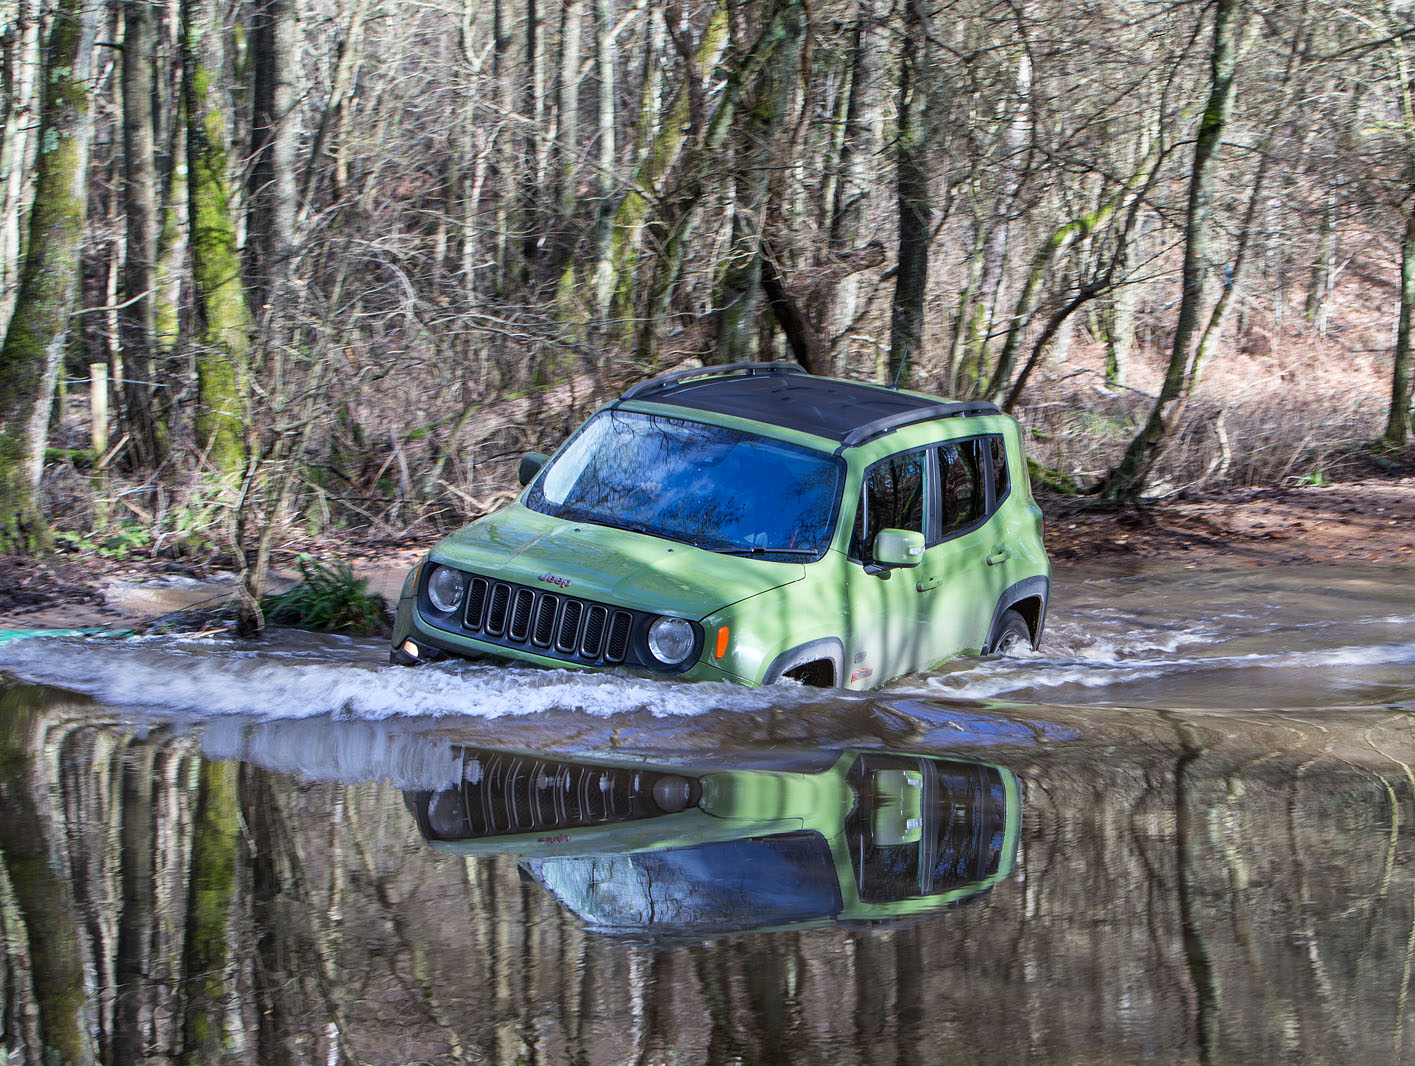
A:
610	565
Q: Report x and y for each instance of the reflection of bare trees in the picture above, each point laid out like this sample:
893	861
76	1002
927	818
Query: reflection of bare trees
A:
1186	900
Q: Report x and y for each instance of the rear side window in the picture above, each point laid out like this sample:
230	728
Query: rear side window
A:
963	492
1000	484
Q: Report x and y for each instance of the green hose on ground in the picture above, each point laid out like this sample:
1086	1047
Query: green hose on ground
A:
20	634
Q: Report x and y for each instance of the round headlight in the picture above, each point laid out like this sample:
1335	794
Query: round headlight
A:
671	640
444	814
672	793
445	588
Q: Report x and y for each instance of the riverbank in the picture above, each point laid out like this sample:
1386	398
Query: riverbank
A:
1371	519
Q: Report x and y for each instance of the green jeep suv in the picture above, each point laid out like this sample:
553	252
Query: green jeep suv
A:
749	523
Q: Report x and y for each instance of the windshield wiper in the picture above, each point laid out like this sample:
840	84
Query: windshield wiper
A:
766	551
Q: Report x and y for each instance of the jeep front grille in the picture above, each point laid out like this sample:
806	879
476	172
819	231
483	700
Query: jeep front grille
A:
550	623
505	794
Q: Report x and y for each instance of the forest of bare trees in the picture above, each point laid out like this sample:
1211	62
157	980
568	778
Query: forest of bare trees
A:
297	264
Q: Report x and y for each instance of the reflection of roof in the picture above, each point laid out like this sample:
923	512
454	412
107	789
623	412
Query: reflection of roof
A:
782	395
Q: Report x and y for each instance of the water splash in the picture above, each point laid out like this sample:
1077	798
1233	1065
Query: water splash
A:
341	677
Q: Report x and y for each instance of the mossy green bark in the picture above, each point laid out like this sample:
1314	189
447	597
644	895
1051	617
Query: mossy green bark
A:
207	961
662	151
46	904
1078	229
222	349
34	342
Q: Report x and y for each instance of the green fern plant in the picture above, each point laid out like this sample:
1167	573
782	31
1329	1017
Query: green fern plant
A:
328	597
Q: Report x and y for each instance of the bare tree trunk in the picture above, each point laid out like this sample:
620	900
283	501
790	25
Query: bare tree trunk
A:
969	365
567	143
133	963
34	341
1127	480
137	324
271	181
861	140
19	39
1398	424
906	324
604	159
351	50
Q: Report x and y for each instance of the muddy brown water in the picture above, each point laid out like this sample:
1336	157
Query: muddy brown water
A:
1179	833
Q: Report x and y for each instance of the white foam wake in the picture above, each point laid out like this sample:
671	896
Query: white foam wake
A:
216	678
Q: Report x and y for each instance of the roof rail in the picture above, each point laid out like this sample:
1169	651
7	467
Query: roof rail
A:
677	377
889	423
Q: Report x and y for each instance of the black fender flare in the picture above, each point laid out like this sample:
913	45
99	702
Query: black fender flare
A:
830	649
1038	588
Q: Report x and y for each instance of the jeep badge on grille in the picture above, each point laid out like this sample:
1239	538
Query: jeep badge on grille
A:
554	579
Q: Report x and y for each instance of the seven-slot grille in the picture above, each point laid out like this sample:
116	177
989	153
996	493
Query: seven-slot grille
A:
504	794
546	622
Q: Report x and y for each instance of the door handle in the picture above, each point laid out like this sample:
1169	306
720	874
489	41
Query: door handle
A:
1001	555
926	583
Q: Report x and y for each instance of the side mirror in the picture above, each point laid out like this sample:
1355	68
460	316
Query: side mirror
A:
899	547
532	464
898	815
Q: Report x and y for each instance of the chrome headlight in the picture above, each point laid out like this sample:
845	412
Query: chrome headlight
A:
446	588
671	640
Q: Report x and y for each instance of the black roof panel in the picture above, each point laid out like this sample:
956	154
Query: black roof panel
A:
825	407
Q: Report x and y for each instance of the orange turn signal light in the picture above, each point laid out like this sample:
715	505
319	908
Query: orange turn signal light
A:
722	641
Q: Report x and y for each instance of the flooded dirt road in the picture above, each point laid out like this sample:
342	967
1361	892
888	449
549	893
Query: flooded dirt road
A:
1179	833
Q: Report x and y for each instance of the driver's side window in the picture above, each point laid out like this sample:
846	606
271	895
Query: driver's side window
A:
893	498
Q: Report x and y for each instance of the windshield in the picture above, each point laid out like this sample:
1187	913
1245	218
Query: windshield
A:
715	887
721	489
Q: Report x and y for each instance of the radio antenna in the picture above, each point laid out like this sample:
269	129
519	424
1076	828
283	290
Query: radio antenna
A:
899	374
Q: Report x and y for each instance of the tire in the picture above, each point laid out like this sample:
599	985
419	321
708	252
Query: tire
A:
1012	634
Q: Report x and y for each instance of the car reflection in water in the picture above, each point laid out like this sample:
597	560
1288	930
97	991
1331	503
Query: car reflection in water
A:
856	838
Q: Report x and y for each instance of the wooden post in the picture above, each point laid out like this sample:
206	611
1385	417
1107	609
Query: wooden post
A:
98	412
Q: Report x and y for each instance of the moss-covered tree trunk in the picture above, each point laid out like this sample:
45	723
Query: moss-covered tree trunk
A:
207	979
44	895
738	299
678	122
223	320
34	342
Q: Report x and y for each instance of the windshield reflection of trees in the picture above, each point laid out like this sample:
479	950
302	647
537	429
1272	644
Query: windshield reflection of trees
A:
713	487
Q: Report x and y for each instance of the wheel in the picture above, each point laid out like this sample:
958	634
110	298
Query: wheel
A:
1012	634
